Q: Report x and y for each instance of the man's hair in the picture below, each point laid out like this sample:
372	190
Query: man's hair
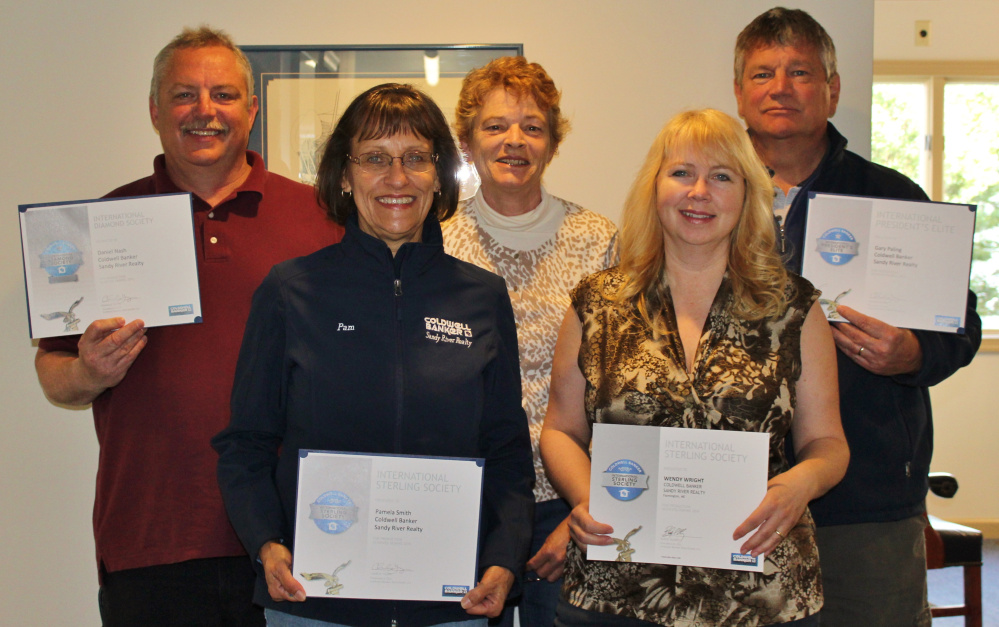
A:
383	111
201	37
785	27
757	276
517	76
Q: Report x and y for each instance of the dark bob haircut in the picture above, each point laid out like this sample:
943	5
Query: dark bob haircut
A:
382	111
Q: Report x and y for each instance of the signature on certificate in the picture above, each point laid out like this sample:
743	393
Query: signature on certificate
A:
674	532
394	569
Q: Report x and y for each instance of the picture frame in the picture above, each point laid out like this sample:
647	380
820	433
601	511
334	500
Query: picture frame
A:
303	90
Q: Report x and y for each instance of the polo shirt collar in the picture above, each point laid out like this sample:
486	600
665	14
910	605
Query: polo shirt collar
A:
254	184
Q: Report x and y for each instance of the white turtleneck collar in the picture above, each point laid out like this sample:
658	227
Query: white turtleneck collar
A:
528	231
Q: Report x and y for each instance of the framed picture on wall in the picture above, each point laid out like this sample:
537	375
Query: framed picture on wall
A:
302	90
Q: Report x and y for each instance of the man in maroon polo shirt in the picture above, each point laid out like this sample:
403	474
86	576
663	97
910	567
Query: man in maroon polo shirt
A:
166	553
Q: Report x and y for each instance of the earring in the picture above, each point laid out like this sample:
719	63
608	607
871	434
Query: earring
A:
345	193
437	193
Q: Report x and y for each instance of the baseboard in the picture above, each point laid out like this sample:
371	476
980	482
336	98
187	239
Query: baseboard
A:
988	526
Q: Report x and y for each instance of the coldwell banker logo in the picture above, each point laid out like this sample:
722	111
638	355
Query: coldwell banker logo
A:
454	591
742	559
181	310
333	512
837	246
441	331
625	480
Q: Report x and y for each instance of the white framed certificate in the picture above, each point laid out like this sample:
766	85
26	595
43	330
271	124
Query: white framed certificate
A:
675	496
904	262
387	526
92	259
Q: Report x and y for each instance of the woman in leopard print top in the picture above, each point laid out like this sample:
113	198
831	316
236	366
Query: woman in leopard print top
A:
509	124
700	327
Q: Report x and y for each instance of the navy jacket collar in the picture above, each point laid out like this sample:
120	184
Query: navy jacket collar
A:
411	259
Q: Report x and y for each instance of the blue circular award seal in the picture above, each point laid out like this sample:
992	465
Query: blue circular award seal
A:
625	480
333	512
61	260
837	246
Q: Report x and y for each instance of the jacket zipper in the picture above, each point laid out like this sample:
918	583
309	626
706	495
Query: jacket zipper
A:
397	306
399	381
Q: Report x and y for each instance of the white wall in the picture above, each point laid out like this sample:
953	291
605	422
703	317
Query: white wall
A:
75	124
965	408
960	30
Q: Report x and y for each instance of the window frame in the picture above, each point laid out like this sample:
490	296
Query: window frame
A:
935	75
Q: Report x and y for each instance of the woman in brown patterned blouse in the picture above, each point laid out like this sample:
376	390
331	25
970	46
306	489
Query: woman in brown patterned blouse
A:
699	327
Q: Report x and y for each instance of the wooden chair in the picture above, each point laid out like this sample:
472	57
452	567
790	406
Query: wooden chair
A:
949	544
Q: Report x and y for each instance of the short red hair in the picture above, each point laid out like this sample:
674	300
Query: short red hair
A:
517	76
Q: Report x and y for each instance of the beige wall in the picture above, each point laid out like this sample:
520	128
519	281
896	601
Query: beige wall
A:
965	407
75	124
959	30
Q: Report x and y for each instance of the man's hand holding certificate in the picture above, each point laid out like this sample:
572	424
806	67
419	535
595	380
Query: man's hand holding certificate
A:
675	496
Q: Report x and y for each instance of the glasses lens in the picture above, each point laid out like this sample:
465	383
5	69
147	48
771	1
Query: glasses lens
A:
380	161
418	161
375	161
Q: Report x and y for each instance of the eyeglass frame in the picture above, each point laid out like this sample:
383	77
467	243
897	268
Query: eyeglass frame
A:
357	160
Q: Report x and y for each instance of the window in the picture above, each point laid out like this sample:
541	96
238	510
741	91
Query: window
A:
938	123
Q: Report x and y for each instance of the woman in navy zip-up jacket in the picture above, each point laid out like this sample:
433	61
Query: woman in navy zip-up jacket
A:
379	344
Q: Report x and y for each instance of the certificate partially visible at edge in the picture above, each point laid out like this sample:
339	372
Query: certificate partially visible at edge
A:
387	526
675	496
93	259
904	262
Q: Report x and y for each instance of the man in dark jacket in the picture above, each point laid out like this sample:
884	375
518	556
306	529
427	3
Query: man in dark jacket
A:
870	526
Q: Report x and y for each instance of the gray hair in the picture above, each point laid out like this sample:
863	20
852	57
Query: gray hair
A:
785	27
201	37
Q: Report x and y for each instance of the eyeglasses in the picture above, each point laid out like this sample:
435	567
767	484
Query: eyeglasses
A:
379	162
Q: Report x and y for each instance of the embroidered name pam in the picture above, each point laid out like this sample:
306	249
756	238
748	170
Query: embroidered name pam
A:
344	327
440	325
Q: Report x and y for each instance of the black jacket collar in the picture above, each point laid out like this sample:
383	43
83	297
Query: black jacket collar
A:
411	259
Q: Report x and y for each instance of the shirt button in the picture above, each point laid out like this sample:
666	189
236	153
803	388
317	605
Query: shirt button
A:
214	240
211	214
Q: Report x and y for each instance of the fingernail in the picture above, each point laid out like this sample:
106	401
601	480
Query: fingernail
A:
465	603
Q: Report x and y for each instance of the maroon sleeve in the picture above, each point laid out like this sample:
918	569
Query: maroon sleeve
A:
67	343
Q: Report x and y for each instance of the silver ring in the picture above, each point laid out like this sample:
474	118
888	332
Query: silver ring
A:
860	351
777	531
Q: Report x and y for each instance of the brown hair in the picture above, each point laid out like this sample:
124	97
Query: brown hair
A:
785	27
201	37
381	111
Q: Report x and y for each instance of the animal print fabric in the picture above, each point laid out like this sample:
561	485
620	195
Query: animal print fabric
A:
539	282
743	378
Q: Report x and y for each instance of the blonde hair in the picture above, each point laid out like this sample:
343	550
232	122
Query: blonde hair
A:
755	271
